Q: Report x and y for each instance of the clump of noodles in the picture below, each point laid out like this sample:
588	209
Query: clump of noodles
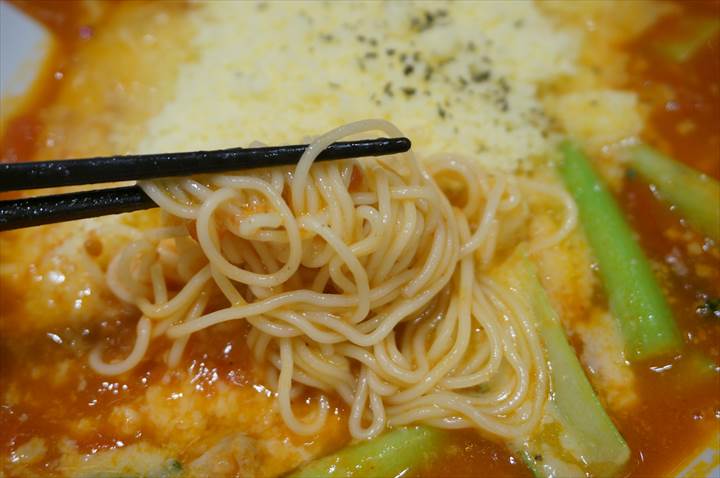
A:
366	279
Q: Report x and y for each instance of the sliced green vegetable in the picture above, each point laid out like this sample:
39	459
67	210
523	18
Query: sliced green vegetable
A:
576	423
170	469
697	31
696	195
636	300
386	455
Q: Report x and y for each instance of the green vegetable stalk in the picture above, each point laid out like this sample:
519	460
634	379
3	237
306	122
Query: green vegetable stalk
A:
598	446
386	455
635	297
696	195
170	469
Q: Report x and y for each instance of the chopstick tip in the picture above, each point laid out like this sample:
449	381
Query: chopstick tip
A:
401	144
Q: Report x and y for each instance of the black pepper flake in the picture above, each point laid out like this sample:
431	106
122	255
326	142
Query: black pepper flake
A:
504	85
390	51
409	91
463	82
326	37
408	70
360	38
428	20
371	55
503	104
373	42
429	70
480	76
538	457
441	112
421	24
388	89
416	56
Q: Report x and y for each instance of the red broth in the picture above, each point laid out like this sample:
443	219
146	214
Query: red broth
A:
679	413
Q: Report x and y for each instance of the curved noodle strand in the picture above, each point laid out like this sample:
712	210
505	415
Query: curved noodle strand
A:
363	279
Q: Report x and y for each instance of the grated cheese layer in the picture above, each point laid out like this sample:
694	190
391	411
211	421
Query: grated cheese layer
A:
455	77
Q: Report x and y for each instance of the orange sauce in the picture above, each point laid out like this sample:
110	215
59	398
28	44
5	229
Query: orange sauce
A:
19	143
678	413
65	20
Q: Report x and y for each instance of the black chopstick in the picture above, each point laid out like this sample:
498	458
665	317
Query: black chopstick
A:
34	211
46	174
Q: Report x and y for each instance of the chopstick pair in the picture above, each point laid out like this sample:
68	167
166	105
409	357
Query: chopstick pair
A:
26	212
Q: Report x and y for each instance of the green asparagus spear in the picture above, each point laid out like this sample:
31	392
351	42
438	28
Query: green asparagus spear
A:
598	446
386	455
696	195
635	297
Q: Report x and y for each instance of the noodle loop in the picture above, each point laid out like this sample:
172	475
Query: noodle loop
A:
365	279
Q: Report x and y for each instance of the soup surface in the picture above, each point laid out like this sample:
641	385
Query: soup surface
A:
122	79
